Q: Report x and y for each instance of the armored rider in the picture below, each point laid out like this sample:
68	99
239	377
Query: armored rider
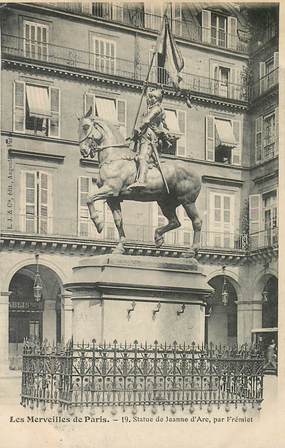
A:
153	131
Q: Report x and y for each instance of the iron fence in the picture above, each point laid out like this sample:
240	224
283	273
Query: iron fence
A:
137	376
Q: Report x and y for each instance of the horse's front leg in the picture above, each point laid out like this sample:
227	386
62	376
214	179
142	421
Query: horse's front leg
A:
102	193
115	207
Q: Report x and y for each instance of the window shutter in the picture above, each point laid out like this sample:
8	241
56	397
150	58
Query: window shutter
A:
54	121
122	116
262	78
86	7
89	101
235	86
258	139
255	210
83	212
181	143
19	107
118	12
153	16
206	26
276	130
210	138
29	200
236	152
232	33
276	66
45	203
177	19
214	87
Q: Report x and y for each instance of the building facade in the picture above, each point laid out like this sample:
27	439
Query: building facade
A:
58	60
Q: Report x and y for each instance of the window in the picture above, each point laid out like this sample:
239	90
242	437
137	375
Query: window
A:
219	30
35	40
223	140
176	122
158	74
108	11
111	109
226	81
263	219
221	220
86	228
153	14
268	73
36	202
104	55
266	136
36	109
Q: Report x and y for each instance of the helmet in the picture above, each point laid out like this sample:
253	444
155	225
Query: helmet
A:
155	94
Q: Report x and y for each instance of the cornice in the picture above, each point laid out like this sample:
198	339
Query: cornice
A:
223	180
36	154
13	241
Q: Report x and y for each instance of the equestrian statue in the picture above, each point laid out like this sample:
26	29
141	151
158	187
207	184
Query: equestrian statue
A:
131	170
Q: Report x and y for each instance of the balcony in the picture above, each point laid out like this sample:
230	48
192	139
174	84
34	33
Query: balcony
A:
59	229
264	84
135	16
265	239
14	47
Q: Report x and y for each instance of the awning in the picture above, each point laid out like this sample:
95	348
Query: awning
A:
225	134
38	101
172	121
106	109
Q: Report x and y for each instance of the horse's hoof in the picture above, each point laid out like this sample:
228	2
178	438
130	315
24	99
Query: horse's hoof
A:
99	225
119	249
159	241
189	254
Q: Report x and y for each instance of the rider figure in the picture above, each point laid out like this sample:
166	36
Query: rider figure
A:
152	132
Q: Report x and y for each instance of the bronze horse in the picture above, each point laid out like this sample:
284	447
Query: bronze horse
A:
117	170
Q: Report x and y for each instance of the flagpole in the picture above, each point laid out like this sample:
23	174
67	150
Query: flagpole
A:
148	73
144	90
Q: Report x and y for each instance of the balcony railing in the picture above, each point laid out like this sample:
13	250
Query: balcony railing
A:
71	58
135	16
264	84
264	239
135	233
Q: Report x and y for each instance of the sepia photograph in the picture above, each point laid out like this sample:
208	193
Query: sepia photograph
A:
139	224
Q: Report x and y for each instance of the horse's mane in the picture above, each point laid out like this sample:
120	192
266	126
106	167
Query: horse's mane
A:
112	128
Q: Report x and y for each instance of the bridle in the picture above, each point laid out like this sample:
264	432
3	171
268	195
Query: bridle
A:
100	148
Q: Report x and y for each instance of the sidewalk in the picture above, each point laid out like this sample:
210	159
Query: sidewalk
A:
120	435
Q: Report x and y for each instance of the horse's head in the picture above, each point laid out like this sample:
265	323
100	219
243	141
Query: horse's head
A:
90	135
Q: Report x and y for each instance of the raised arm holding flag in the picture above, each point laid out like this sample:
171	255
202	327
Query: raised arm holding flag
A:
153	130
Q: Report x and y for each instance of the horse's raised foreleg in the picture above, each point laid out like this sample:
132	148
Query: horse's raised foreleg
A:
169	211
115	207
102	193
192	213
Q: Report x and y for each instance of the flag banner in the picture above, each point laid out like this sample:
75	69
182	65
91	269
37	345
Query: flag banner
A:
171	58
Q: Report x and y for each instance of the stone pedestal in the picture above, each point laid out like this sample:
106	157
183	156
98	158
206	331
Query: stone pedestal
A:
145	298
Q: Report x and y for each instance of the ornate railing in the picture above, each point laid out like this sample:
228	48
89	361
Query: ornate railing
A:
135	16
75	59
264	84
264	239
84	229
122	376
